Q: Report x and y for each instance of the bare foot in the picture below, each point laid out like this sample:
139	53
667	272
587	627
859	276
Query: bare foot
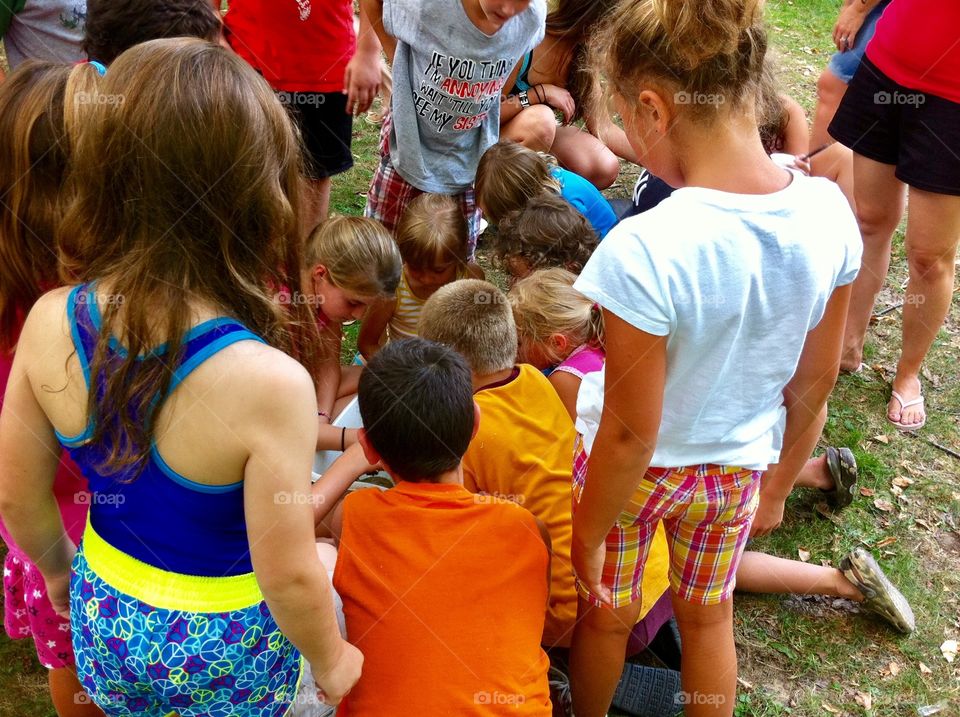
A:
851	360
906	404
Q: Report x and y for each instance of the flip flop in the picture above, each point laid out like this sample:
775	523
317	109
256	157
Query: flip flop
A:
881	596
843	469
907	427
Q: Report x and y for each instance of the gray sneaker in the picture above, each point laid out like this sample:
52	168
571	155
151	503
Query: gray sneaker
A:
882	598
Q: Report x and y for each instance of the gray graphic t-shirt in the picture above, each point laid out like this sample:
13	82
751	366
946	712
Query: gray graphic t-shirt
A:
46	30
448	77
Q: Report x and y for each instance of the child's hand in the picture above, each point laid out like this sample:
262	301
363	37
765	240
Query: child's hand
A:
559	99
769	515
58	592
361	82
588	566
334	684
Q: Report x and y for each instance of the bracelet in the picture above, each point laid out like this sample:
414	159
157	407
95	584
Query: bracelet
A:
540	96
343	437
524	99
324	414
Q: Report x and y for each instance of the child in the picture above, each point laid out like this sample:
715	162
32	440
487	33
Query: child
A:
321	71
450	63
41	30
547	232
524	442
560	330
164	593
509	175
460	584
433	242
352	262
41	104
723	311
113	26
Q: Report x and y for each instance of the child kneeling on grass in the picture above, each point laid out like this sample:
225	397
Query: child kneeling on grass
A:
435	580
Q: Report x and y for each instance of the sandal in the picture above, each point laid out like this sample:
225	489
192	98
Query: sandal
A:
882	598
907	427
843	469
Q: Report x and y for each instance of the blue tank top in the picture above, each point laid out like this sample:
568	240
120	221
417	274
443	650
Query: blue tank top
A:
522	83
161	518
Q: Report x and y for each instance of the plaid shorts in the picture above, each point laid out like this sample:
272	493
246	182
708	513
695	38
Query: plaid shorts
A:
390	194
707	511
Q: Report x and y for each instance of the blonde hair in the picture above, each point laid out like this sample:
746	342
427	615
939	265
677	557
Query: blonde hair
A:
508	176
697	49
474	318
358	253
545	303
431	230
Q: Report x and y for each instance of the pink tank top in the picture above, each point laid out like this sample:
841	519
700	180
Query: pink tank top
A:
584	359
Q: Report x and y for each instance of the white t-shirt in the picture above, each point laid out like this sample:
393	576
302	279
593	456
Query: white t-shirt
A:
735	282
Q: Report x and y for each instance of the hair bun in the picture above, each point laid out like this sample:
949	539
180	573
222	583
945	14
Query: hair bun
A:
700	30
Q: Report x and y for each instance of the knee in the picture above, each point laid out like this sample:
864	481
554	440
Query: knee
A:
535	127
929	265
617	623
876	219
604	170
830	88
695	616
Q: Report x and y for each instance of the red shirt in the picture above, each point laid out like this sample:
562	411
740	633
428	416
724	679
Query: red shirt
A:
298	45
917	45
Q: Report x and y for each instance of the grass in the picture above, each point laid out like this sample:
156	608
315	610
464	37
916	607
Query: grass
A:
815	656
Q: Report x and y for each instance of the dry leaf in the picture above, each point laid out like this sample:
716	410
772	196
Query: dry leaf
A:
804	555
882	439
896	491
829	708
894	669
867	492
864	699
886	541
923	524
885	505
902	481
949	650
924	670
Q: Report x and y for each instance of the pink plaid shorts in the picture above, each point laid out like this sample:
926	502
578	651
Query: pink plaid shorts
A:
389	194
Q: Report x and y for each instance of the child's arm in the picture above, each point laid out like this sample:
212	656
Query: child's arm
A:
475	271
567	386
280	532
371	21
805	399
361	81
29	455
636	365
373	326
797	138
336	479
328	387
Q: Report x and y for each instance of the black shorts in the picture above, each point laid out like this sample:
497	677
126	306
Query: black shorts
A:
917	132
326	128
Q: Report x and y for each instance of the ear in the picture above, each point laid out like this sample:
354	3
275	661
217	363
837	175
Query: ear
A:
658	110
319	271
369	452
476	420
560	342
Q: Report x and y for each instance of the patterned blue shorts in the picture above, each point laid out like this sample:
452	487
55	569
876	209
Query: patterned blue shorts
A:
136	659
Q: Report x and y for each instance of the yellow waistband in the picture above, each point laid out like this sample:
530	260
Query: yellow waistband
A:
163	589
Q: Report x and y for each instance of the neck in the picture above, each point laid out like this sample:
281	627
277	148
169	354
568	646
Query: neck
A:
476	16
451	477
481	381
729	157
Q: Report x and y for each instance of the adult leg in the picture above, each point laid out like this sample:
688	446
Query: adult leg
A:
880	199
933	231
582	153
708	670
597	652
316	204
68	696
534	127
830	90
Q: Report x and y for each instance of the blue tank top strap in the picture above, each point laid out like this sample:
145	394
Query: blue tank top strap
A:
522	82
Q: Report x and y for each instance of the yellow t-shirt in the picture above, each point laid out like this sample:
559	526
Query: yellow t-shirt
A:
523	451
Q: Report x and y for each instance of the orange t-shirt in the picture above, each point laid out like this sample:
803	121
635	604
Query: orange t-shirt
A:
523	451
444	594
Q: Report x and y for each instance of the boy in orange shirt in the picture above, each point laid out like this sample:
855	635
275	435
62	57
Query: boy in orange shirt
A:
421	568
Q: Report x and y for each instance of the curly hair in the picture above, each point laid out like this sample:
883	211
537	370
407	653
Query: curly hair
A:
548	232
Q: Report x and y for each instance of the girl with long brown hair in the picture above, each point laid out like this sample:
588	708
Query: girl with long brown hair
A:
165	374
